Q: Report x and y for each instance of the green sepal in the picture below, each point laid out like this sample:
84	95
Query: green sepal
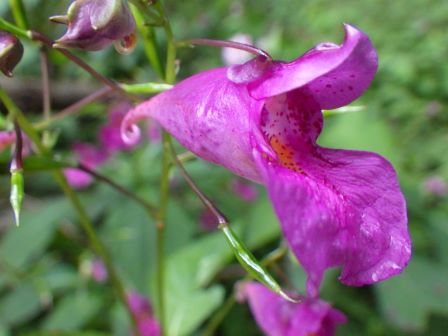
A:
251	264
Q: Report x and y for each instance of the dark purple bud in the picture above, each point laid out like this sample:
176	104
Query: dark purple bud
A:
95	24
11	52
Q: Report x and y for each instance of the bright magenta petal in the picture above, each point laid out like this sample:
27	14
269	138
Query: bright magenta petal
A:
207	114
278	317
335	75
345	209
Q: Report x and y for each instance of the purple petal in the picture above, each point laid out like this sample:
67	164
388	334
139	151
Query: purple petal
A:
336	207
7	138
89	156
345	209
334	75
207	114
109	134
77	178
138	304
278	317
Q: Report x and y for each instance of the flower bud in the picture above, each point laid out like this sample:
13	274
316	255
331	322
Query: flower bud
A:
95	24
11	52
17	192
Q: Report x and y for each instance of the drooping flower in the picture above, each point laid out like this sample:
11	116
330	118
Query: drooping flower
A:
261	120
277	317
11	52
95	24
89	156
141	308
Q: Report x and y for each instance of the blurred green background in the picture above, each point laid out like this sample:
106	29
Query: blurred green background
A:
44	286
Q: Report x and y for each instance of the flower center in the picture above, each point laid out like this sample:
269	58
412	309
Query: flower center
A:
284	154
290	123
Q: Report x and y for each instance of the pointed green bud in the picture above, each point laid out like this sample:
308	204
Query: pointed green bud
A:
17	192
250	263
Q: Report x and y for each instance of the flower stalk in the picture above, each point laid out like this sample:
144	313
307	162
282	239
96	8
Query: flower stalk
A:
242	253
227	44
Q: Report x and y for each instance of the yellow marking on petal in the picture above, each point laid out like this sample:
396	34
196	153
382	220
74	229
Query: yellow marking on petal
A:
285	154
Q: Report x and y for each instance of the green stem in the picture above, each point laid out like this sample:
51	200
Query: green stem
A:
146	88
149	40
86	224
151	209
13	29
75	107
170	67
222	312
18	12
163	202
170	77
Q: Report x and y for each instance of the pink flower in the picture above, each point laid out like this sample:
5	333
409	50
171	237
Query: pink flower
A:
261	120
435	185
98	270
7	138
278	317
89	156
109	134
142	310
244	190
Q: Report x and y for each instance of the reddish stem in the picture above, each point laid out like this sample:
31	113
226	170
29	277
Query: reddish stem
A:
230	44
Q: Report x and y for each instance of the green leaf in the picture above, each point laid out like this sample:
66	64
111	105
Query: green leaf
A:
20	305
129	235
408	299
73	312
190	269
26	243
